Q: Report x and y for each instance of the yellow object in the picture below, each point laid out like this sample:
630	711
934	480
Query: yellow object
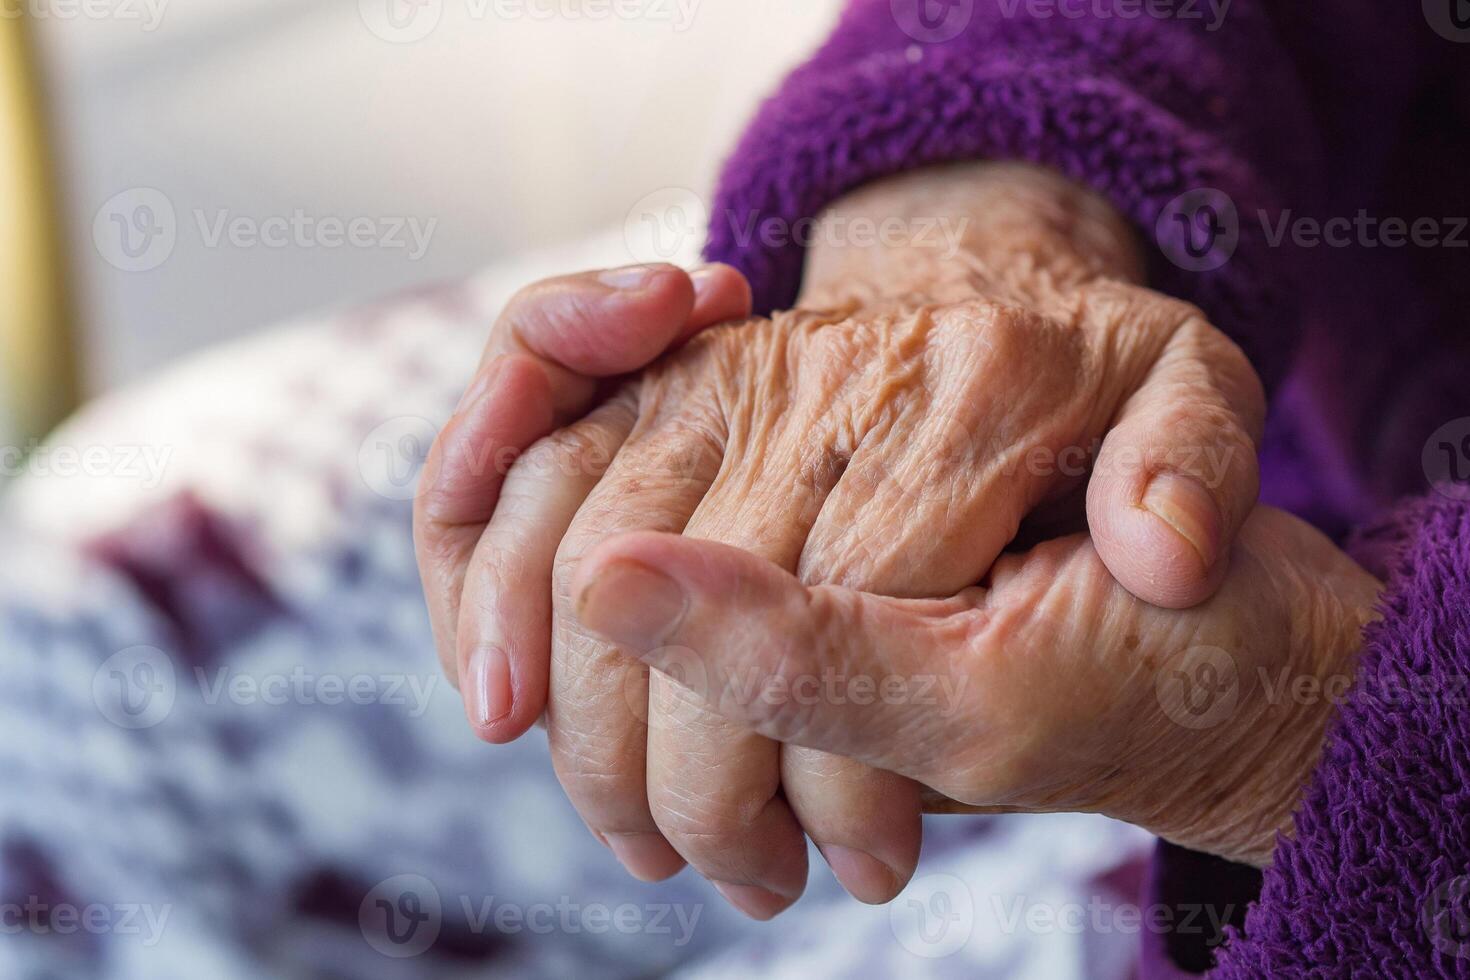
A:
38	376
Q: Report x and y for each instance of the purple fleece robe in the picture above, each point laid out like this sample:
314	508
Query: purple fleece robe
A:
1289	110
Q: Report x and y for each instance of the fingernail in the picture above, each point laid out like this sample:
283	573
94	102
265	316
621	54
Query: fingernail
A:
479	384
628	277
703	278
865	877
1186	506
633	604
487	696
647	856
753	900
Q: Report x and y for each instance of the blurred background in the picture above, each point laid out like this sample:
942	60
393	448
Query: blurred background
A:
178	173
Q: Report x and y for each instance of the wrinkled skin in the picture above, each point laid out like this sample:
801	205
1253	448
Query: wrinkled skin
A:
1200	725
890	448
890	436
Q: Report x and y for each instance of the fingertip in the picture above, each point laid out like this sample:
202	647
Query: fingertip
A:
862	875
1148	556
605	323
647	855
721	292
653	549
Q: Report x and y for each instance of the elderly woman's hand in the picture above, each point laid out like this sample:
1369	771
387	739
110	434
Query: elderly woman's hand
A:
1048	688
891	436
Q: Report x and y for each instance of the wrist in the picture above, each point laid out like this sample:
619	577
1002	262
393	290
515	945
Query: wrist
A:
943	234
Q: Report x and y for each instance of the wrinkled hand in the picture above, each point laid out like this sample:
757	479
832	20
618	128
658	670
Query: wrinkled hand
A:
1047	688
891	437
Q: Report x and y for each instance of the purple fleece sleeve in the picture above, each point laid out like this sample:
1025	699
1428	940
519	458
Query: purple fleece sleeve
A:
1141	108
1375	880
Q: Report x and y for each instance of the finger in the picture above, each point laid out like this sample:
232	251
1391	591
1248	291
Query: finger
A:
508	407
717	799
600	324
505	616
866	822
598	708
715	786
1178	474
763	640
531	372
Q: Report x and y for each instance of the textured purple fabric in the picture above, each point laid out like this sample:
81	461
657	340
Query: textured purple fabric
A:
1290	109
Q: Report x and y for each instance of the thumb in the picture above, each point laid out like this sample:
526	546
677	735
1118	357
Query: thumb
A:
1178	474
825	667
